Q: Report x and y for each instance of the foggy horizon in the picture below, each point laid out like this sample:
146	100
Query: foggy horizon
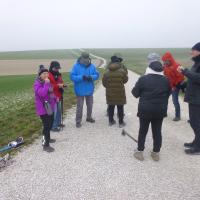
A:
53	25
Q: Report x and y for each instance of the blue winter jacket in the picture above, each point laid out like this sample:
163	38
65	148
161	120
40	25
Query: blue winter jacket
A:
81	87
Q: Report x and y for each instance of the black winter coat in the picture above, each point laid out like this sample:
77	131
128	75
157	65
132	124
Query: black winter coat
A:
154	91
192	95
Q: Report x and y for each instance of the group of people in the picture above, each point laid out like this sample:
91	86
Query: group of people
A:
163	77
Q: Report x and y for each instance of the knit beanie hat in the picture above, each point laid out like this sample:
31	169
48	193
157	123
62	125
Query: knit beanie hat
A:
152	57
41	70
196	47
54	64
156	66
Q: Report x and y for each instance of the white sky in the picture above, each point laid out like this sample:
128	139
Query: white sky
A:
64	24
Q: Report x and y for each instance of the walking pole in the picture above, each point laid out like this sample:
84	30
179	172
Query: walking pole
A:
125	133
62	112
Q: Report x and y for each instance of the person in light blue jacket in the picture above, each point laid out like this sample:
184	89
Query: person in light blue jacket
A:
84	74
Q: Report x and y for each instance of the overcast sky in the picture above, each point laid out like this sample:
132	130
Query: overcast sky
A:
64	24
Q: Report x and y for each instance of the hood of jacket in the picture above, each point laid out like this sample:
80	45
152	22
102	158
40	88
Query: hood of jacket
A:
114	66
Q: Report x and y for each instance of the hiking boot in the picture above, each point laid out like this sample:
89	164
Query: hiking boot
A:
112	123
155	156
176	119
55	129
48	149
193	151
188	145
90	120
52	141
121	125
78	125
139	155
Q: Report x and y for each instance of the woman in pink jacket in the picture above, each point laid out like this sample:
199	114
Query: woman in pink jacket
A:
45	102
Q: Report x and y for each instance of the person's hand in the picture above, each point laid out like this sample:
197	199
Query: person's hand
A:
60	85
85	78
89	78
47	80
180	69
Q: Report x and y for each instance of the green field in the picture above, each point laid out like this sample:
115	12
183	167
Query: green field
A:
17	109
42	54
136	59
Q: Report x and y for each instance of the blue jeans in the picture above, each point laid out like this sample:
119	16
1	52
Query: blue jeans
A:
175	99
57	116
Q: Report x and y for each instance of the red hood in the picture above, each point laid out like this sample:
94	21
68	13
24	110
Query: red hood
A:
168	57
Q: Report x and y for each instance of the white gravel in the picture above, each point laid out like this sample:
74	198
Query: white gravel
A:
96	162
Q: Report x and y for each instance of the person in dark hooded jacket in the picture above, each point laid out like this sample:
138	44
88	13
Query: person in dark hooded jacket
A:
192	97
56	80
113	80
117	58
154	90
176	81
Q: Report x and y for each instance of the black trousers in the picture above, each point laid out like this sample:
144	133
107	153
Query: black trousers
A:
156	125
47	122
111	110
194	113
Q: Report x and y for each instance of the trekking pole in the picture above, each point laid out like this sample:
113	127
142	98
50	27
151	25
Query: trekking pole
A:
125	133
62	112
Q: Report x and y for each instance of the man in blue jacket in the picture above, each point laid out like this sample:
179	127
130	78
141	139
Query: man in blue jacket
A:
84	74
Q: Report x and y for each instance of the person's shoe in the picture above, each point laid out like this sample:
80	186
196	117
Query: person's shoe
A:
52	141
55	129
155	156
62	126
121	125
48	149
78	125
90	120
193	151
176	119
139	155
188	121
188	145
112	123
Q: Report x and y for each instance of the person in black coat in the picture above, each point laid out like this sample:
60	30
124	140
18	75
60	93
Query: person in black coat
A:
192	97
154	90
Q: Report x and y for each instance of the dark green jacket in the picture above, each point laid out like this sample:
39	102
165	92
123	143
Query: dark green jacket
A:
113	80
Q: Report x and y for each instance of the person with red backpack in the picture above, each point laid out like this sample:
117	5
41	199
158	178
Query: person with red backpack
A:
56	80
176	80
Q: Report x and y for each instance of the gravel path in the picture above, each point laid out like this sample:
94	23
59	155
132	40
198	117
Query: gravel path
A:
96	162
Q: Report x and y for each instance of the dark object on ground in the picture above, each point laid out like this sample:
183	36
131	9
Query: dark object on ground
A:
90	120
125	133
14	144
193	151
48	149
189	145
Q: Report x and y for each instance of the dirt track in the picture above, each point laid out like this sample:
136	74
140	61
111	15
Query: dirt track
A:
21	67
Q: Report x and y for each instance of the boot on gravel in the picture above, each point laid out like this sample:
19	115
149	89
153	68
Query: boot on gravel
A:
48	149
155	156
112	123
193	151
91	120
139	155
176	119
78	125
189	145
52	141
121	125
55	129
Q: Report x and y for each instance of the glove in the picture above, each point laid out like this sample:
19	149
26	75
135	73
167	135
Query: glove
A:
89	78
85	78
